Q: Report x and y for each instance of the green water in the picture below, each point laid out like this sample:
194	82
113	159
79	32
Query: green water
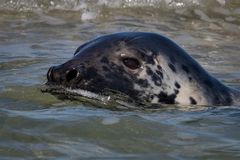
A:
35	35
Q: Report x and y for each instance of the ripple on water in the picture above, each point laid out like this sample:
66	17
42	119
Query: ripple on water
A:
37	34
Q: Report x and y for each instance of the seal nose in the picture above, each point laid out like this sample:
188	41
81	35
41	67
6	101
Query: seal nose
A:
59	76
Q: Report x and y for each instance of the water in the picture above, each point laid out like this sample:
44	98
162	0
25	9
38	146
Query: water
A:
36	34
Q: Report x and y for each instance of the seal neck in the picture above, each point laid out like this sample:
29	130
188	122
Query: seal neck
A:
220	94
236	96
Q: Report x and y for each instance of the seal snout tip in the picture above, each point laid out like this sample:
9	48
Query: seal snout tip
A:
62	76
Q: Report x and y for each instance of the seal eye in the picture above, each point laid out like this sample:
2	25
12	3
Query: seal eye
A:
131	63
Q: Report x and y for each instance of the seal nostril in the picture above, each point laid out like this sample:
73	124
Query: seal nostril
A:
72	74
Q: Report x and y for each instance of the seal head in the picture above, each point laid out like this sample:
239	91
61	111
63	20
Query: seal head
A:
147	67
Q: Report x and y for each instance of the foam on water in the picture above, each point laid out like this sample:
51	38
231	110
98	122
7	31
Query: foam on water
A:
81	5
89	10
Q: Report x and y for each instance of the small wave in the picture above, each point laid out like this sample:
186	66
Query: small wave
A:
93	9
81	5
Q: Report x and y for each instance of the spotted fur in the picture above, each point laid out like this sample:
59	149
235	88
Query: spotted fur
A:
167	74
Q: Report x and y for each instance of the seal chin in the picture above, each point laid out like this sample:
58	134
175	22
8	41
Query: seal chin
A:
109	99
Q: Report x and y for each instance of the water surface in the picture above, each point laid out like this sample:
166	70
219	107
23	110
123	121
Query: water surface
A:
37	34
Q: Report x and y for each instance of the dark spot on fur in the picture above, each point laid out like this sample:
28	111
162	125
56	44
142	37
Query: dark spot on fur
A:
149	98
166	99
185	68
190	79
176	91
159	73
104	60
177	85
159	67
192	100
149	71
143	83
156	79
172	67
149	59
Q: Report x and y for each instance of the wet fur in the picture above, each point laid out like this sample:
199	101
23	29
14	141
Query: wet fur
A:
168	74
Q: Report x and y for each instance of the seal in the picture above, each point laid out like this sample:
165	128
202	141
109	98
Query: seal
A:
147	67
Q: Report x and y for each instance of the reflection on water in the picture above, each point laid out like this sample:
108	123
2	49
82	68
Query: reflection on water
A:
37	34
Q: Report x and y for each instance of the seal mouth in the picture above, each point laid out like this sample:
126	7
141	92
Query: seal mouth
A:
106	99
70	93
